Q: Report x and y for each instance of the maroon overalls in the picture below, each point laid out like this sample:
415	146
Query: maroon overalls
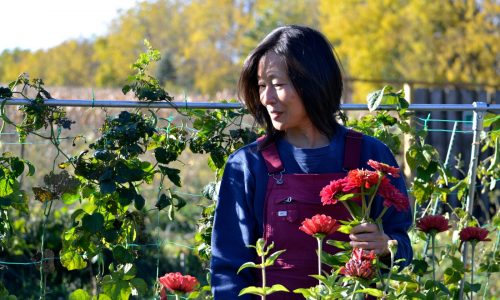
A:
290	198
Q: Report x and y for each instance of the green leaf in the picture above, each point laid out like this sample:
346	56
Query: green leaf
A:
163	156
129	271
5	187
17	167
126	195
371	292
252	290
31	168
346	197
403	278
116	289
451	276
306	293
107	187
163	202
373	99
346	229
337	259
126	88
93	223
122	255
276	288
79	295
72	260
490	119
173	174
140	285
339	244
249	264
139	202
420	267
457	264
474	287
68	198
272	258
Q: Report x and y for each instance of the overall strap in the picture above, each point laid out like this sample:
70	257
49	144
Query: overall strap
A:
271	157
352	150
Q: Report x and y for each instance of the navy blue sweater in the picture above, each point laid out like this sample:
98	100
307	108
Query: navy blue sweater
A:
240	206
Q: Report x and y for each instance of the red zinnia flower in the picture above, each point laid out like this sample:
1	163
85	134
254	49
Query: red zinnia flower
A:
384	168
433	224
360	178
329	192
476	234
176	282
392	196
319	224
360	265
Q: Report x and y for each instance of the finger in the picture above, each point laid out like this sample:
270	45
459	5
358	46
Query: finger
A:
366	237
365	227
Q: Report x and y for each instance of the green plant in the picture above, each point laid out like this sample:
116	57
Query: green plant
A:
267	259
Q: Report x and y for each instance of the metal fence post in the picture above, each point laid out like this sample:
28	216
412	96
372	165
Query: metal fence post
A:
477	126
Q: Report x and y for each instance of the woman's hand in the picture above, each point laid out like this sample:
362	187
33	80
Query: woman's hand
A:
367	236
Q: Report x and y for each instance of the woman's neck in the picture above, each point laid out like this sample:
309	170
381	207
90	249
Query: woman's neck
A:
308	139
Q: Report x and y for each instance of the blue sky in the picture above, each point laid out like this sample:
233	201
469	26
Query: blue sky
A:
42	24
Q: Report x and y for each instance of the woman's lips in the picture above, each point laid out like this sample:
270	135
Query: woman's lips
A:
275	114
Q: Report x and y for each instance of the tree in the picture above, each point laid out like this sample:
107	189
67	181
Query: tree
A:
418	40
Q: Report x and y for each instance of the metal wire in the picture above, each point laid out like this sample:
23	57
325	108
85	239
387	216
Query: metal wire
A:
235	105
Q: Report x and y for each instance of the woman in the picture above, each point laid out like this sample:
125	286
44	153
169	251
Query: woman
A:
291	83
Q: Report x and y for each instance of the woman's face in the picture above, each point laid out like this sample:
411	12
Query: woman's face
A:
279	96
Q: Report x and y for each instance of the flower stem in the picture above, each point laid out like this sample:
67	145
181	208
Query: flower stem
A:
320	249
176	297
348	209
390	272
473	246
263	297
363	204
354	290
382	213
433	238
374	194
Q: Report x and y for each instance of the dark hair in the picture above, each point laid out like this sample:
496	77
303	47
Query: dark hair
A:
312	69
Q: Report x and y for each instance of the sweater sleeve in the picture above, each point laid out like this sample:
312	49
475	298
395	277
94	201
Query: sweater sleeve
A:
396	225
234	229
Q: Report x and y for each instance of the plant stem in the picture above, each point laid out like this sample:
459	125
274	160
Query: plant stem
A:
375	193
176	297
363	203
348	209
433	238
263	261
320	249
473	246
354	290
390	272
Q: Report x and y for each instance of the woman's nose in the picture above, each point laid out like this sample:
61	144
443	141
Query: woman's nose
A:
267	95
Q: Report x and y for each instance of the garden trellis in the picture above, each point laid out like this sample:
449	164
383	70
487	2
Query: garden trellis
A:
479	110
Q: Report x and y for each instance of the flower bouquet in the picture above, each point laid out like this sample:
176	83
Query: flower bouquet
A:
362	186
357	192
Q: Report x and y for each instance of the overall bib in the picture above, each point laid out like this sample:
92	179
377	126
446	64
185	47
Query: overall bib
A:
290	198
